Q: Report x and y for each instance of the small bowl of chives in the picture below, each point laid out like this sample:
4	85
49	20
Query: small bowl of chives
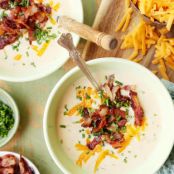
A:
9	117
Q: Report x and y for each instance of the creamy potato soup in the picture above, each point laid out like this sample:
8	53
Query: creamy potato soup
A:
104	158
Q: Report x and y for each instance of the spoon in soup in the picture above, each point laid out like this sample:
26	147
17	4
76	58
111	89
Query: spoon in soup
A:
66	42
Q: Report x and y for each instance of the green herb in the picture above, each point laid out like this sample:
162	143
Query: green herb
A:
6	119
155	115
24	3
80	98
83	135
43	35
101	93
21	14
89	136
33	64
16	47
135	156
3	14
118	118
66	110
78	87
81	111
49	28
123	129
87	96
27	53
13	4
87	152
118	83
107	102
66	107
62	126
125	160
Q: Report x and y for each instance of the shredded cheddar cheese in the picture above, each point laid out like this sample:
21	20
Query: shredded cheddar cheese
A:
141	38
164	55
53	21
86	153
101	157
35	48
125	21
18	57
56	7
43	49
161	10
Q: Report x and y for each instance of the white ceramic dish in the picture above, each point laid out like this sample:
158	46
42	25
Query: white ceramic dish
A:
7	99
2	153
33	67
154	148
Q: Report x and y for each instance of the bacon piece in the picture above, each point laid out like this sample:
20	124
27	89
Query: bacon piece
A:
24	167
86	118
99	125
122	122
91	145
87	122
120	97
8	170
7	39
119	112
4	4
115	139
103	111
138	110
8	161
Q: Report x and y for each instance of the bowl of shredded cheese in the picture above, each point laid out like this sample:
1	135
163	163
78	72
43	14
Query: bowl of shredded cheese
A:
158	11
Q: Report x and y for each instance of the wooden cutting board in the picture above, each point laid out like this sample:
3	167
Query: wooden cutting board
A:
107	19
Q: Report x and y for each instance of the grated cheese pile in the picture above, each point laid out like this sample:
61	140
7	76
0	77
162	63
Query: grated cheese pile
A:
143	36
140	39
160	10
164	55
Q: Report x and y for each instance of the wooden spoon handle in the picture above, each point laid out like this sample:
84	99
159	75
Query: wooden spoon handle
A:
104	40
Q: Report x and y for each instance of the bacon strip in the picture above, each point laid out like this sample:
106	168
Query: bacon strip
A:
138	110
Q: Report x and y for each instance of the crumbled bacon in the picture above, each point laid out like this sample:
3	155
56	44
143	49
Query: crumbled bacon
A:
8	161
108	122
24	168
119	112
4	4
9	164
20	19
97	140
138	110
120	97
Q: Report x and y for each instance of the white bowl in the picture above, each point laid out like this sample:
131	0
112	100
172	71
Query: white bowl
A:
155	99
35	67
2	153
7	99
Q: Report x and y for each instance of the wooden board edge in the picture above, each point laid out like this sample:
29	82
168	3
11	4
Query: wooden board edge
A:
104	5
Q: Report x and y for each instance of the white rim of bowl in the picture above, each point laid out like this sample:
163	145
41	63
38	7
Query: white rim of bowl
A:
30	163
17	117
51	70
76	69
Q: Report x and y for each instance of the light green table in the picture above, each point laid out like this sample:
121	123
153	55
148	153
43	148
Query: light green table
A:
31	98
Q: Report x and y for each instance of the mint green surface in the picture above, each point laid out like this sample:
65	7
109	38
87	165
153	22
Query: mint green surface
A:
31	98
